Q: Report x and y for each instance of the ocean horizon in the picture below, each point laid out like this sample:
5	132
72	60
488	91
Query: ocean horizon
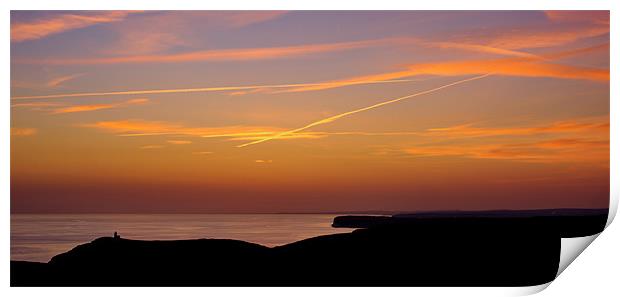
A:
39	237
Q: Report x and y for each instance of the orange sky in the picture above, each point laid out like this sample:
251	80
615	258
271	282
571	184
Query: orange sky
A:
155	111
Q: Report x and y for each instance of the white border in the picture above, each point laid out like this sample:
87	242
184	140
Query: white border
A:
601	271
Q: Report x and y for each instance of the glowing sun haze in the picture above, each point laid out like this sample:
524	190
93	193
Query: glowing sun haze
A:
274	111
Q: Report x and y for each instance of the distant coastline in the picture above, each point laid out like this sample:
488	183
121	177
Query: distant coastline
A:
501	248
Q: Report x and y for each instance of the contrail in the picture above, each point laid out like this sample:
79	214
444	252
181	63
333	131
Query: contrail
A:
208	89
348	113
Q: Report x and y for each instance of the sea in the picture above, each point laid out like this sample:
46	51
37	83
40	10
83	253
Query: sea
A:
39	237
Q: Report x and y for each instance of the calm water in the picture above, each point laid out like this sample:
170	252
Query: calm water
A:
40	237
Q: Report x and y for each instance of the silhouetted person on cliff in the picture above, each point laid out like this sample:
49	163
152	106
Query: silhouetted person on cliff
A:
116	236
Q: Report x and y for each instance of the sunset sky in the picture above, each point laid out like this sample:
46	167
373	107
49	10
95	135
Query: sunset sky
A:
273	111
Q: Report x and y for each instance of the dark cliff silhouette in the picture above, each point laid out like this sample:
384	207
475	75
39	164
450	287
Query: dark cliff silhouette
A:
501	248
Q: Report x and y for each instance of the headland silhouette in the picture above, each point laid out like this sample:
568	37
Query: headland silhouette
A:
452	248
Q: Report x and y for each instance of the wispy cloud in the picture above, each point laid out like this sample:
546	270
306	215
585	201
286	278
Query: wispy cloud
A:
31	30
244	54
552	150
151	146
481	48
145	40
239	19
206	89
525	65
557	134
57	81
202	153
575	25
144	128
159	31
510	67
584	126
35	105
303	135
23	131
263	161
345	114
141	42
583	16
571	126
571	140
138	128
535	66
54	82
541	39
179	141
439	69
93	107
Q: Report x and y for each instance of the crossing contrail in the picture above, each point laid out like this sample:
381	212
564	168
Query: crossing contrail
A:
348	113
208	89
